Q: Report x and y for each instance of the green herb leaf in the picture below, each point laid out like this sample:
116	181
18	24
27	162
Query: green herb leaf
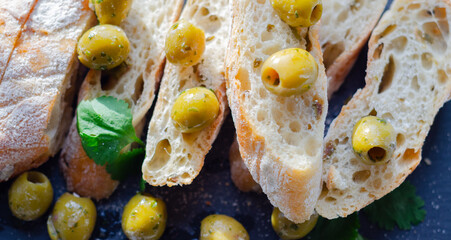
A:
126	163
142	185
337	229
105	128
401	207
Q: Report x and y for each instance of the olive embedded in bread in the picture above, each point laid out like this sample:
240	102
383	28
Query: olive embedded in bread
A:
144	217
289	72
112	11
103	47
72	217
373	140
30	196
287	229
299	13
195	109
222	227
185	44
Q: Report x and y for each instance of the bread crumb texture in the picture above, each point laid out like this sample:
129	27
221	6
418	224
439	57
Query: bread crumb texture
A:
173	157
407	83
280	138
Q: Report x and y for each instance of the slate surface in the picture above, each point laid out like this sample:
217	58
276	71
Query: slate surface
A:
213	191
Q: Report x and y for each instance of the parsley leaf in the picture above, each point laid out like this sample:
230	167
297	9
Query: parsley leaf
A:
400	207
105	128
337	229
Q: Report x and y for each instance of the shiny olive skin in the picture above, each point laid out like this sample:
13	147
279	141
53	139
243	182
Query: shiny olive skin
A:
30	196
112	11
373	140
144	217
195	109
103	47
222	227
185	44
299	13
288	230
72	218
289	72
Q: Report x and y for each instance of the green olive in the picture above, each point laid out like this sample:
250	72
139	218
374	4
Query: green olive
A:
195	109
144	217
289	72
299	13
373	140
112	11
30	196
185	44
103	47
287	229
222	227
72	217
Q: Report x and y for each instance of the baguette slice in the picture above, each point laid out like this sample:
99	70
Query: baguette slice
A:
135	82
280	138
407	83
345	28
35	92
13	16
239	173
172	157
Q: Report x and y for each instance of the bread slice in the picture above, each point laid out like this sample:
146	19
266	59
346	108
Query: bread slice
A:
35	92
135	82
407	82
345	28
280	138
240	175
13	16
172	157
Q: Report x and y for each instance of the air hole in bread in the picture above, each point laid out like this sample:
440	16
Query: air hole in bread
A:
399	44
361	176
270	49
295	127
440	12
312	146
186	176
261	1
442	76
400	140
410	155
316	13
354	162
362	190
330	199
139	87
386	31
190	138
261	115
378	51
426	60
182	84
433	36
324	191
414	6
387	116
332	52
162	155
389	73
444	26
35	177
243	77
388	175
204	11
373	112
356	5
377	183
377	154
343	16
266	36
415	84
